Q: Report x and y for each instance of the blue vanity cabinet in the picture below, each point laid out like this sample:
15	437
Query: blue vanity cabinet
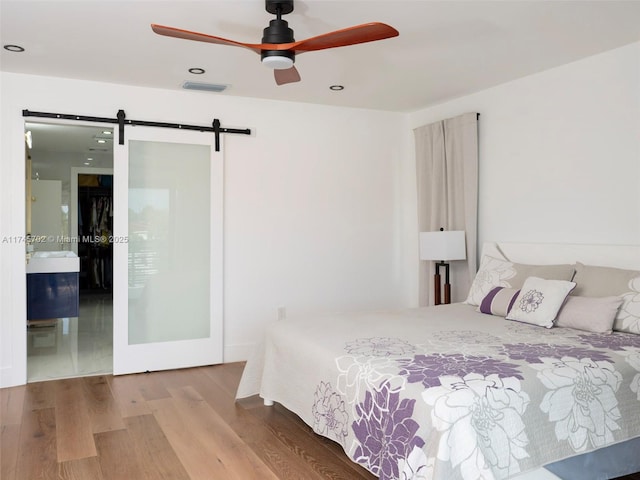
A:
52	295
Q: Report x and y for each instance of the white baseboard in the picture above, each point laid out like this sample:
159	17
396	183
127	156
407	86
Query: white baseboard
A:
238	352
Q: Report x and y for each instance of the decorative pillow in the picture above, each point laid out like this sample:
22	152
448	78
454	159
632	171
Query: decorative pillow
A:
540	300
499	301
595	281
593	314
494	272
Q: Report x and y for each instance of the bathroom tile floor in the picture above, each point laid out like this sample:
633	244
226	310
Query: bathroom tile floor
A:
73	347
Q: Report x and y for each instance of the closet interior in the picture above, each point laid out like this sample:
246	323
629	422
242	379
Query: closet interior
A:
95	229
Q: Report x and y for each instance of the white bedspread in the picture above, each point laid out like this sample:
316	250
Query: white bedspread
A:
448	393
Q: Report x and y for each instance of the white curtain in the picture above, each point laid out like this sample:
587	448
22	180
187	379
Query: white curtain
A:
447	176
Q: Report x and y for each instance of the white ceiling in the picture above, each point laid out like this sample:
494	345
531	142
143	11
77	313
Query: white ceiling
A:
445	49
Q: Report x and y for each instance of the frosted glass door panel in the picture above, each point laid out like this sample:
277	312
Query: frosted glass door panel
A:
168	250
169	220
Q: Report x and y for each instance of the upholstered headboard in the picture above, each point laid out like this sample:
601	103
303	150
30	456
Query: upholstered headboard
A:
619	256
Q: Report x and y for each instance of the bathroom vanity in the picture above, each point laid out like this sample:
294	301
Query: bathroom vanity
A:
52	285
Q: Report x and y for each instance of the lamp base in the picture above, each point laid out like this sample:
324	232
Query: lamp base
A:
436	285
447	293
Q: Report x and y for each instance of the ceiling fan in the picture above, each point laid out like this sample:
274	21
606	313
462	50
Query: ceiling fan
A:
278	48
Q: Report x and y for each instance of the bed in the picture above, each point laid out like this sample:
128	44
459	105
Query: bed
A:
471	390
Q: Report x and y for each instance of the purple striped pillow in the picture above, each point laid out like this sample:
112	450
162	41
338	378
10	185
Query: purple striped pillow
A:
499	301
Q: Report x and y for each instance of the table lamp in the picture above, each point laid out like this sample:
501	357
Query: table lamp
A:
442	246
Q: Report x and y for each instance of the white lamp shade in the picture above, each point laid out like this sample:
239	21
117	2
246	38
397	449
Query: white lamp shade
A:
443	245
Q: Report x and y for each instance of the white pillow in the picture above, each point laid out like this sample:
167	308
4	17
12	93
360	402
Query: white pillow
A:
540	300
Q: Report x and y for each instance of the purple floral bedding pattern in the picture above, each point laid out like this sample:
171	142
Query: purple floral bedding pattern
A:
472	398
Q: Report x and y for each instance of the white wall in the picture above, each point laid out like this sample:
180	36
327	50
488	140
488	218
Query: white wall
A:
314	214
559	152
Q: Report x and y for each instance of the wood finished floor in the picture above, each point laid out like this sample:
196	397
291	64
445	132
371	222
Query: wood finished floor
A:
179	425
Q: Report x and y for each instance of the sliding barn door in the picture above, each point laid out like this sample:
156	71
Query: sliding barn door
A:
168	230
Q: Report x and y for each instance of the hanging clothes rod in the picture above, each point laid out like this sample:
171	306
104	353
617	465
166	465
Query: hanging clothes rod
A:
121	121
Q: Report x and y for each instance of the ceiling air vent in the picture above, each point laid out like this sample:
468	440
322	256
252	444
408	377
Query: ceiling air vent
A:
205	87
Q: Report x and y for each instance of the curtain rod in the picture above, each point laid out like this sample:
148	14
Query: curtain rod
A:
121	121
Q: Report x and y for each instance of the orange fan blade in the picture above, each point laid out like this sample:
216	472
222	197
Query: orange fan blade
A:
287	75
201	37
368	32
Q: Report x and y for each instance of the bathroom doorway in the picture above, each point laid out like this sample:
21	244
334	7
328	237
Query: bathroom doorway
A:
75	163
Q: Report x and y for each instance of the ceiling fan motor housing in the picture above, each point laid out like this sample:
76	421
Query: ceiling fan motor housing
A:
278	31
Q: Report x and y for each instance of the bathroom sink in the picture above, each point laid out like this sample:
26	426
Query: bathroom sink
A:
56	254
53	262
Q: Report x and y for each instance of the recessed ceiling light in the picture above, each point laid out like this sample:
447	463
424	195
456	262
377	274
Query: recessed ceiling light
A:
196	70
336	88
87	163
102	140
89	159
14	48
107	132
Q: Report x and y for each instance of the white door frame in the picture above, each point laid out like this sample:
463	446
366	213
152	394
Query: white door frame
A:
21	337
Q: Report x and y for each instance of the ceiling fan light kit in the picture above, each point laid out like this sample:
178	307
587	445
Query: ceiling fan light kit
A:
277	62
279	48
